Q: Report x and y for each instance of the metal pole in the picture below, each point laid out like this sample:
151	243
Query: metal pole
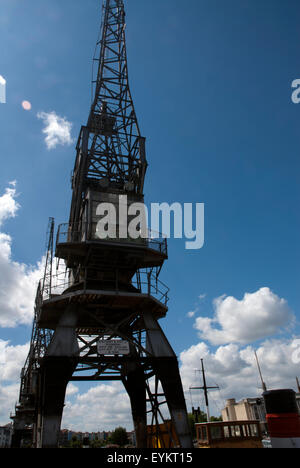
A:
205	391
205	388
264	387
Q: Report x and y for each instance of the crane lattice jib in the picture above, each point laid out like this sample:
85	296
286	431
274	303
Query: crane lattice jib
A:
116	150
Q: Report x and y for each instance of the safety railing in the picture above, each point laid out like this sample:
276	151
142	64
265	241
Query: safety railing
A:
147	283
144	282
84	232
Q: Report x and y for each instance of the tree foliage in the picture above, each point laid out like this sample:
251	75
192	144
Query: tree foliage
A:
119	437
75	443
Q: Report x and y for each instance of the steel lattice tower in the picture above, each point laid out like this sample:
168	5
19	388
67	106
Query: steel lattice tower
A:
97	312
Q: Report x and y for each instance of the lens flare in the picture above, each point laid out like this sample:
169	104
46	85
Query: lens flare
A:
26	105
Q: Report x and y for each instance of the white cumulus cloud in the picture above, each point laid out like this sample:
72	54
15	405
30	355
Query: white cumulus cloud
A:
103	407
18	281
258	315
2	90
57	129
233	368
12	359
8	203
191	314
72	389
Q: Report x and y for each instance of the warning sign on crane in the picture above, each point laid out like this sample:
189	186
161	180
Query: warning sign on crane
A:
113	347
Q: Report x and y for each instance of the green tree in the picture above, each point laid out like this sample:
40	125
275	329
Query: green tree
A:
119	437
215	419
96	443
75	443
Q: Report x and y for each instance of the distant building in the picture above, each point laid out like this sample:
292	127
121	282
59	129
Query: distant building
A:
95	436
248	409
105	435
67	436
5	436
131	438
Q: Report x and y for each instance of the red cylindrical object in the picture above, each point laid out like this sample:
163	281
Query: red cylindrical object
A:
284	425
283	418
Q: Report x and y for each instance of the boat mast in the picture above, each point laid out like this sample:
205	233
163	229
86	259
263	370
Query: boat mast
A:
264	387
205	388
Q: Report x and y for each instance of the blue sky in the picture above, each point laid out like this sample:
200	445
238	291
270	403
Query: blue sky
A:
211	82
